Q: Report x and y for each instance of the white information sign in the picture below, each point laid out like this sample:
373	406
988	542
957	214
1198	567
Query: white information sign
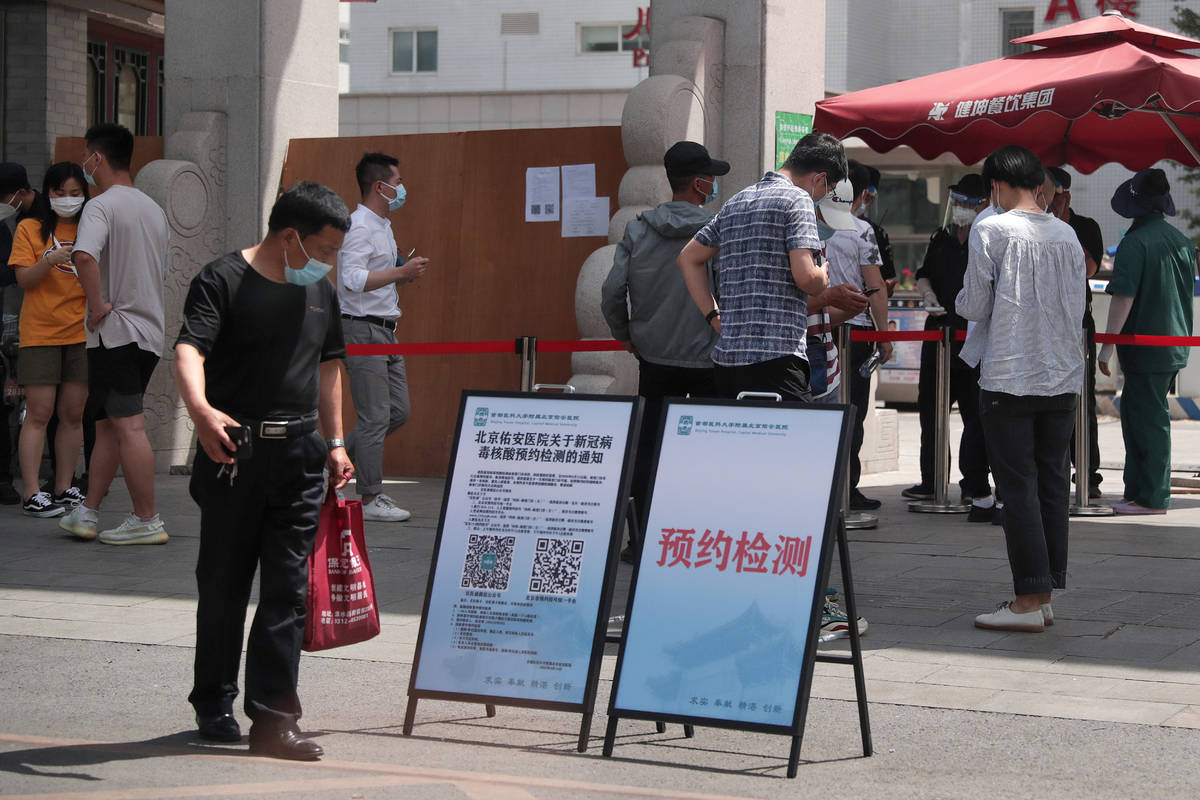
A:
519	571
541	194
729	576
585	216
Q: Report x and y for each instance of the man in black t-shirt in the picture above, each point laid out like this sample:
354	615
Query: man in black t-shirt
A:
259	350
1088	231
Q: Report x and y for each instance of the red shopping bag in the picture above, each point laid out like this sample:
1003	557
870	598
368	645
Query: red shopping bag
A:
341	590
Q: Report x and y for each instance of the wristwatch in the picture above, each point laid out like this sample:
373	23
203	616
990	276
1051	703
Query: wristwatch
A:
716	312
332	443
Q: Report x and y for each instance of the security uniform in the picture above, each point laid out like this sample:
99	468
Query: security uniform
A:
944	265
263	342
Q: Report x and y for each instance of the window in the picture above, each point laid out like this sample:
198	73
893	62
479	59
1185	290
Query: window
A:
1015	23
97	100
130	101
414	51
344	46
610	38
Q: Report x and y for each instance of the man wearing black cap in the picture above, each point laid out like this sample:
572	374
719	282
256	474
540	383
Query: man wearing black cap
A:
646	302
1088	231
1151	287
939	280
16	199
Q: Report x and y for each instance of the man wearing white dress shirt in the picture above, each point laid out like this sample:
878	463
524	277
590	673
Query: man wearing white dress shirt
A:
369	270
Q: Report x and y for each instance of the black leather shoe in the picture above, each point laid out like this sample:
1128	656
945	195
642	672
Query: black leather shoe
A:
218	727
981	514
998	516
284	744
860	502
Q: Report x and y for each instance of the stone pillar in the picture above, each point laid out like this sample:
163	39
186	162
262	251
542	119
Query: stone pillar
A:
271	66
190	186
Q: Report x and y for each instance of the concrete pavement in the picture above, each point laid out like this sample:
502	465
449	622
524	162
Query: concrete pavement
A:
95	649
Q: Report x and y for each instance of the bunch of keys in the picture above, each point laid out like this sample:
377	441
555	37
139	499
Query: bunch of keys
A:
242	440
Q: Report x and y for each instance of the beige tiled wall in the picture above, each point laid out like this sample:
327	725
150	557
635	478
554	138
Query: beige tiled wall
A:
373	115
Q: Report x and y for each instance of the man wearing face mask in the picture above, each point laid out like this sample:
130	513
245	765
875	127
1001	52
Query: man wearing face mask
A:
258	356
369	272
16	200
646	302
939	280
121	258
766	235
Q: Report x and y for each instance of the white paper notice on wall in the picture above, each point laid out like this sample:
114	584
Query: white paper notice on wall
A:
541	194
585	216
578	180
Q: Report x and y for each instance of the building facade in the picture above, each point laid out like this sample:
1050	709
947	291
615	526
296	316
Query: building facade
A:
425	66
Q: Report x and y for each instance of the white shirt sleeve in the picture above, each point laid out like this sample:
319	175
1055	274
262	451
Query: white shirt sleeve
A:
353	258
92	235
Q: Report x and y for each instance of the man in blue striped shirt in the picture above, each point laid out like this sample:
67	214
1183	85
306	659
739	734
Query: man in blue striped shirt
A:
766	235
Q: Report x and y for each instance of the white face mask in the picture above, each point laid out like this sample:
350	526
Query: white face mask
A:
962	216
66	207
9	209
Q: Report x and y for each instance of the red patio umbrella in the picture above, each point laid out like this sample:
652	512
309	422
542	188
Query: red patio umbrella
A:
1102	90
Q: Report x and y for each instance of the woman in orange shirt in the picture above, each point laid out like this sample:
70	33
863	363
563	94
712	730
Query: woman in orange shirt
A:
52	360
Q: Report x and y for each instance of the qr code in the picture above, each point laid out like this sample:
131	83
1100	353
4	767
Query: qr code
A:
549	208
488	562
556	564
535	208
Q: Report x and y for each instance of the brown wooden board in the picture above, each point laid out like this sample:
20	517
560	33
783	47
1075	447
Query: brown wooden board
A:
491	274
145	150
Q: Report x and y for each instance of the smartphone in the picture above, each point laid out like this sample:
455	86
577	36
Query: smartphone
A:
871	291
240	436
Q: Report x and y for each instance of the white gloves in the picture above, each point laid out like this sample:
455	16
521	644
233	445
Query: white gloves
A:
932	307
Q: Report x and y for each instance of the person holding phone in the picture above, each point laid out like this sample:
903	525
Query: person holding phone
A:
52	360
370	270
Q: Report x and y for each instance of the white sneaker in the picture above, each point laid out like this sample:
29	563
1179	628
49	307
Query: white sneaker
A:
383	509
1047	614
81	521
1005	619
136	531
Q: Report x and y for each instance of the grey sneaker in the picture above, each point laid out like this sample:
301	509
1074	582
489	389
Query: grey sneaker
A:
136	531
81	521
384	509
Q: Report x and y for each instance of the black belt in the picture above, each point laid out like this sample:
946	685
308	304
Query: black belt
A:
281	428
390	324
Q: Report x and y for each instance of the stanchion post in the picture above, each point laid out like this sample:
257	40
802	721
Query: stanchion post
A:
1083	447
526	347
854	520
941	461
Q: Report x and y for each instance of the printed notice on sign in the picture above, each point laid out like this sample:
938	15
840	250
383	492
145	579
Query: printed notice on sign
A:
731	561
541	194
519	571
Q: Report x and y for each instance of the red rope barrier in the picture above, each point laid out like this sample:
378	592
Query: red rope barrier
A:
1159	341
895	336
588	346
430	348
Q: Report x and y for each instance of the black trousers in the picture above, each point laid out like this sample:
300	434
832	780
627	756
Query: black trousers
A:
786	376
972	448
266	520
860	396
1029	442
656	382
1089	401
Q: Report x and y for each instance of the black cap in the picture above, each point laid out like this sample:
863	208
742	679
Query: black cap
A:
690	158
1147	191
971	185
12	177
1061	177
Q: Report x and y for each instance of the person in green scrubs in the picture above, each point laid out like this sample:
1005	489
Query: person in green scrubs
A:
1152	286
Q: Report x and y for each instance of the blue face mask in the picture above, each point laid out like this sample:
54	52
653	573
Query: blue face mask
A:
310	273
822	200
712	195
397	201
87	176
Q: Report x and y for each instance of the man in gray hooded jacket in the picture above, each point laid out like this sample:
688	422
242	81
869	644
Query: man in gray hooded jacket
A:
661	324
